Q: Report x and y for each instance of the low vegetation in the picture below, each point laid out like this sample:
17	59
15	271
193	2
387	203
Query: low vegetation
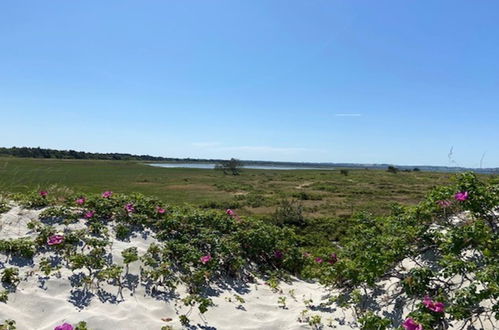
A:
322	193
196	248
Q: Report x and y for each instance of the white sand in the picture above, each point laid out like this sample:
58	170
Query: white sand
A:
40	303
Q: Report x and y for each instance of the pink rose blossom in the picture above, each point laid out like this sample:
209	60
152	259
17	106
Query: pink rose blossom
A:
129	208
318	260
205	259
461	196
64	326
410	324
278	254
334	259
233	214
434	306
444	203
439	307
55	239
89	214
80	201
160	210
43	193
107	194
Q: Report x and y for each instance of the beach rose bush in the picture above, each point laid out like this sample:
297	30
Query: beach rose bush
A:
35	199
194	247
452	242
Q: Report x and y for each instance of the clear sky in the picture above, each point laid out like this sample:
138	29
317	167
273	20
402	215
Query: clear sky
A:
334	81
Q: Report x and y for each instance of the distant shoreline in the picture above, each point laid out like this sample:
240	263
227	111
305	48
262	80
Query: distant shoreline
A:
41	153
208	164
211	165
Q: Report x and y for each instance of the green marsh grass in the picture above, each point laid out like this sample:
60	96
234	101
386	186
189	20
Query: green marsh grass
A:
257	192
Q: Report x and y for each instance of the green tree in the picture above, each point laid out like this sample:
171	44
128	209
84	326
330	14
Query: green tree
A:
392	169
232	166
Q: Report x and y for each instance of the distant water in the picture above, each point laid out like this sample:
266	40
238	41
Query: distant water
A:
256	167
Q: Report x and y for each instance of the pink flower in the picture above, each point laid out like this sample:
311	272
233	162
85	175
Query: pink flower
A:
80	201
43	193
318	260
129	208
55	240
461	196
205	259
160	210
410	324
64	326
107	194
278	254
438	307
334	259
444	203
434	306
89	214
233	214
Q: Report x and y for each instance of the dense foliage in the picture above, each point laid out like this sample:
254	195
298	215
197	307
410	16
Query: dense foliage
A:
26	152
450	242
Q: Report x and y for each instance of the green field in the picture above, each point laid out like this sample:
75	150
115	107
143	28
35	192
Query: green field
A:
321	192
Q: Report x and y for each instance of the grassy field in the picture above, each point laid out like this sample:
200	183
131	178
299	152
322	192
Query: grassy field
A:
321	192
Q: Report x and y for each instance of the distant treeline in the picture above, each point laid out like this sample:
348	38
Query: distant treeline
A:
26	152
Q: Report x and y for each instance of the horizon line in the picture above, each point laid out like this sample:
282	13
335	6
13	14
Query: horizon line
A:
251	160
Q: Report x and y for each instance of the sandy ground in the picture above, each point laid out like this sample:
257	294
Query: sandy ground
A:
43	303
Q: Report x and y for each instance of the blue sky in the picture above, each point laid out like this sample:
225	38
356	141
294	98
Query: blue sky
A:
333	81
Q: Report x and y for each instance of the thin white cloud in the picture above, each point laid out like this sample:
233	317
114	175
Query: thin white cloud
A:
348	115
205	144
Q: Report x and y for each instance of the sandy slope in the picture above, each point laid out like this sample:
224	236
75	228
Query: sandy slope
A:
41	303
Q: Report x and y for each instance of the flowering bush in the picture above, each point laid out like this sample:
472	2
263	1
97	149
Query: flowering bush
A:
195	247
453	247
33	200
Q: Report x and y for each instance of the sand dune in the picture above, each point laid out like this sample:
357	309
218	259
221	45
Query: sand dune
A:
40	302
